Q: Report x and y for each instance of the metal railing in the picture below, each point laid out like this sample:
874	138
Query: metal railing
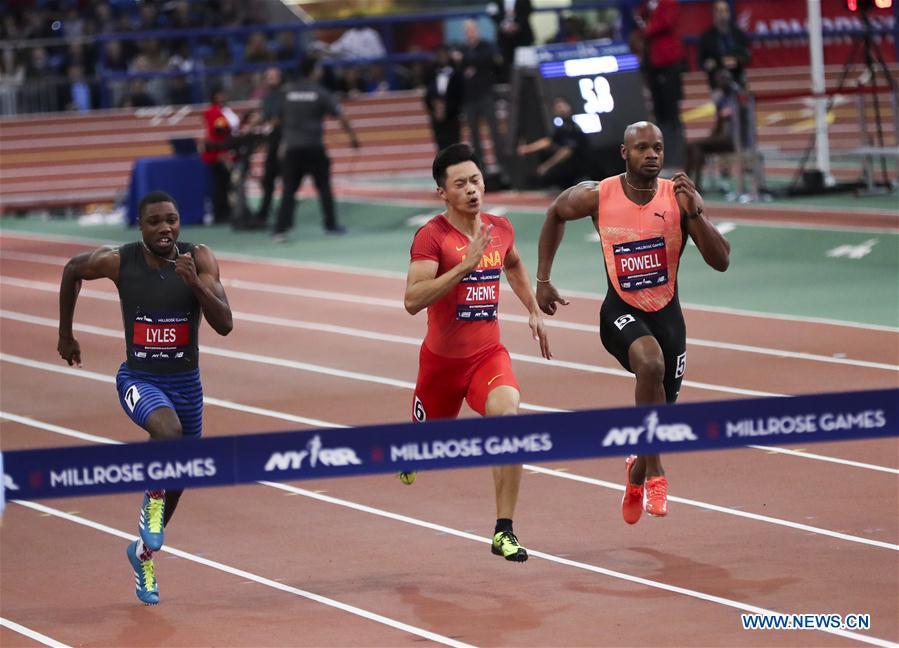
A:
111	88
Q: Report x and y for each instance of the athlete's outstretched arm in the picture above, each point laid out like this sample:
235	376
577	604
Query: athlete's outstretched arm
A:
424	287
202	277
520	282
101	263
575	202
712	245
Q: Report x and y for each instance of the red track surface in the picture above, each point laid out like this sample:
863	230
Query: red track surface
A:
72	582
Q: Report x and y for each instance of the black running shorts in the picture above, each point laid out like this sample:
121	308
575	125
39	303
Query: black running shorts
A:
620	324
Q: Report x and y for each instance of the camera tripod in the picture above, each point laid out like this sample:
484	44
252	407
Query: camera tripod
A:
875	67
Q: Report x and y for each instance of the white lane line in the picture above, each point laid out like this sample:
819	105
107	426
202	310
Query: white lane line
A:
470	536
720	509
251	357
234	571
518	319
208	400
836	460
553	473
412	341
367	272
563	561
57	429
566	364
32	634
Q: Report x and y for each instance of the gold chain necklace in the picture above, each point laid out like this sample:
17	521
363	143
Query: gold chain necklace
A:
653	189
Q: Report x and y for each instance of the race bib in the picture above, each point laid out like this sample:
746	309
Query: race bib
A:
160	337
641	264
478	296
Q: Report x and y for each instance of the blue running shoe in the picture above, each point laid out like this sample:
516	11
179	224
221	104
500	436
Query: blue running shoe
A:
151	522
146	587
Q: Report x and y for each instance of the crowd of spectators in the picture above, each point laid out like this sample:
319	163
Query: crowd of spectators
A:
51	52
52	57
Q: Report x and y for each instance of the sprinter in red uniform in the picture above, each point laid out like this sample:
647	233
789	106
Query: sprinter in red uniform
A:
643	222
457	259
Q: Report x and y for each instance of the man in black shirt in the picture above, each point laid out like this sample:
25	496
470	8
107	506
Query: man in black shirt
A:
479	60
443	100
724	46
271	118
306	104
564	153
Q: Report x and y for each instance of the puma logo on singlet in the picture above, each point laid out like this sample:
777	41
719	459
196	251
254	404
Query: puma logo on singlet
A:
662	215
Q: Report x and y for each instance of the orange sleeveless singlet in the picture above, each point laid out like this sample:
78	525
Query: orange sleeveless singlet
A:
641	244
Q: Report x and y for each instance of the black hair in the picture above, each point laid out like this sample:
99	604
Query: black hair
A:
308	65
151	199
453	154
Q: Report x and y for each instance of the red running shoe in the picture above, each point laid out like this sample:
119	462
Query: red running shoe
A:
657	496
632	502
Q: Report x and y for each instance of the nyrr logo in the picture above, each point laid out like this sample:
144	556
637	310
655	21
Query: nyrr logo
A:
629	435
293	459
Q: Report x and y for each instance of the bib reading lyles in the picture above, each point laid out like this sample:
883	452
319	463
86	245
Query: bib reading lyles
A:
160	337
641	264
477	295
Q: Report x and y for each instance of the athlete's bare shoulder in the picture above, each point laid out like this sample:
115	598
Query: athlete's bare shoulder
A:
578	201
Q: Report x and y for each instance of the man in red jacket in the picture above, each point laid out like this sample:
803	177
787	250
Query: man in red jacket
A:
663	62
220	123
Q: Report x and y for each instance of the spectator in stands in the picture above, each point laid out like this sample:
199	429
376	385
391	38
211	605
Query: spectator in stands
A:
571	30
220	124
479	60
724	46
82	55
179	91
272	106
664	64
39	65
103	18
149	17
443	99
564	155
74	25
627	25
513	29
138	96
257	49
306	104
286	46
359	42
728	112
230	13
12	73
79	92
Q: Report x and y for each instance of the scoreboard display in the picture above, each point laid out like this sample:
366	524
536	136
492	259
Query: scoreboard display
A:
600	79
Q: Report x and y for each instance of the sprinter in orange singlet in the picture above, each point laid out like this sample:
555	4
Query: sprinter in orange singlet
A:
643	222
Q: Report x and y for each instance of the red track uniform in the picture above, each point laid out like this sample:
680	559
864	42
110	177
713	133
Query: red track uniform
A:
461	356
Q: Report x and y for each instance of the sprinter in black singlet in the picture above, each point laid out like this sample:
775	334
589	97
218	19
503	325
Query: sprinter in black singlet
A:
163	286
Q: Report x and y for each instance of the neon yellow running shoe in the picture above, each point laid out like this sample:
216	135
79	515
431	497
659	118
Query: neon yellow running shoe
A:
505	544
146	587
408	478
152	521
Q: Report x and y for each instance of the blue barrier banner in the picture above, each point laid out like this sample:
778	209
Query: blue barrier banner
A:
317	454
